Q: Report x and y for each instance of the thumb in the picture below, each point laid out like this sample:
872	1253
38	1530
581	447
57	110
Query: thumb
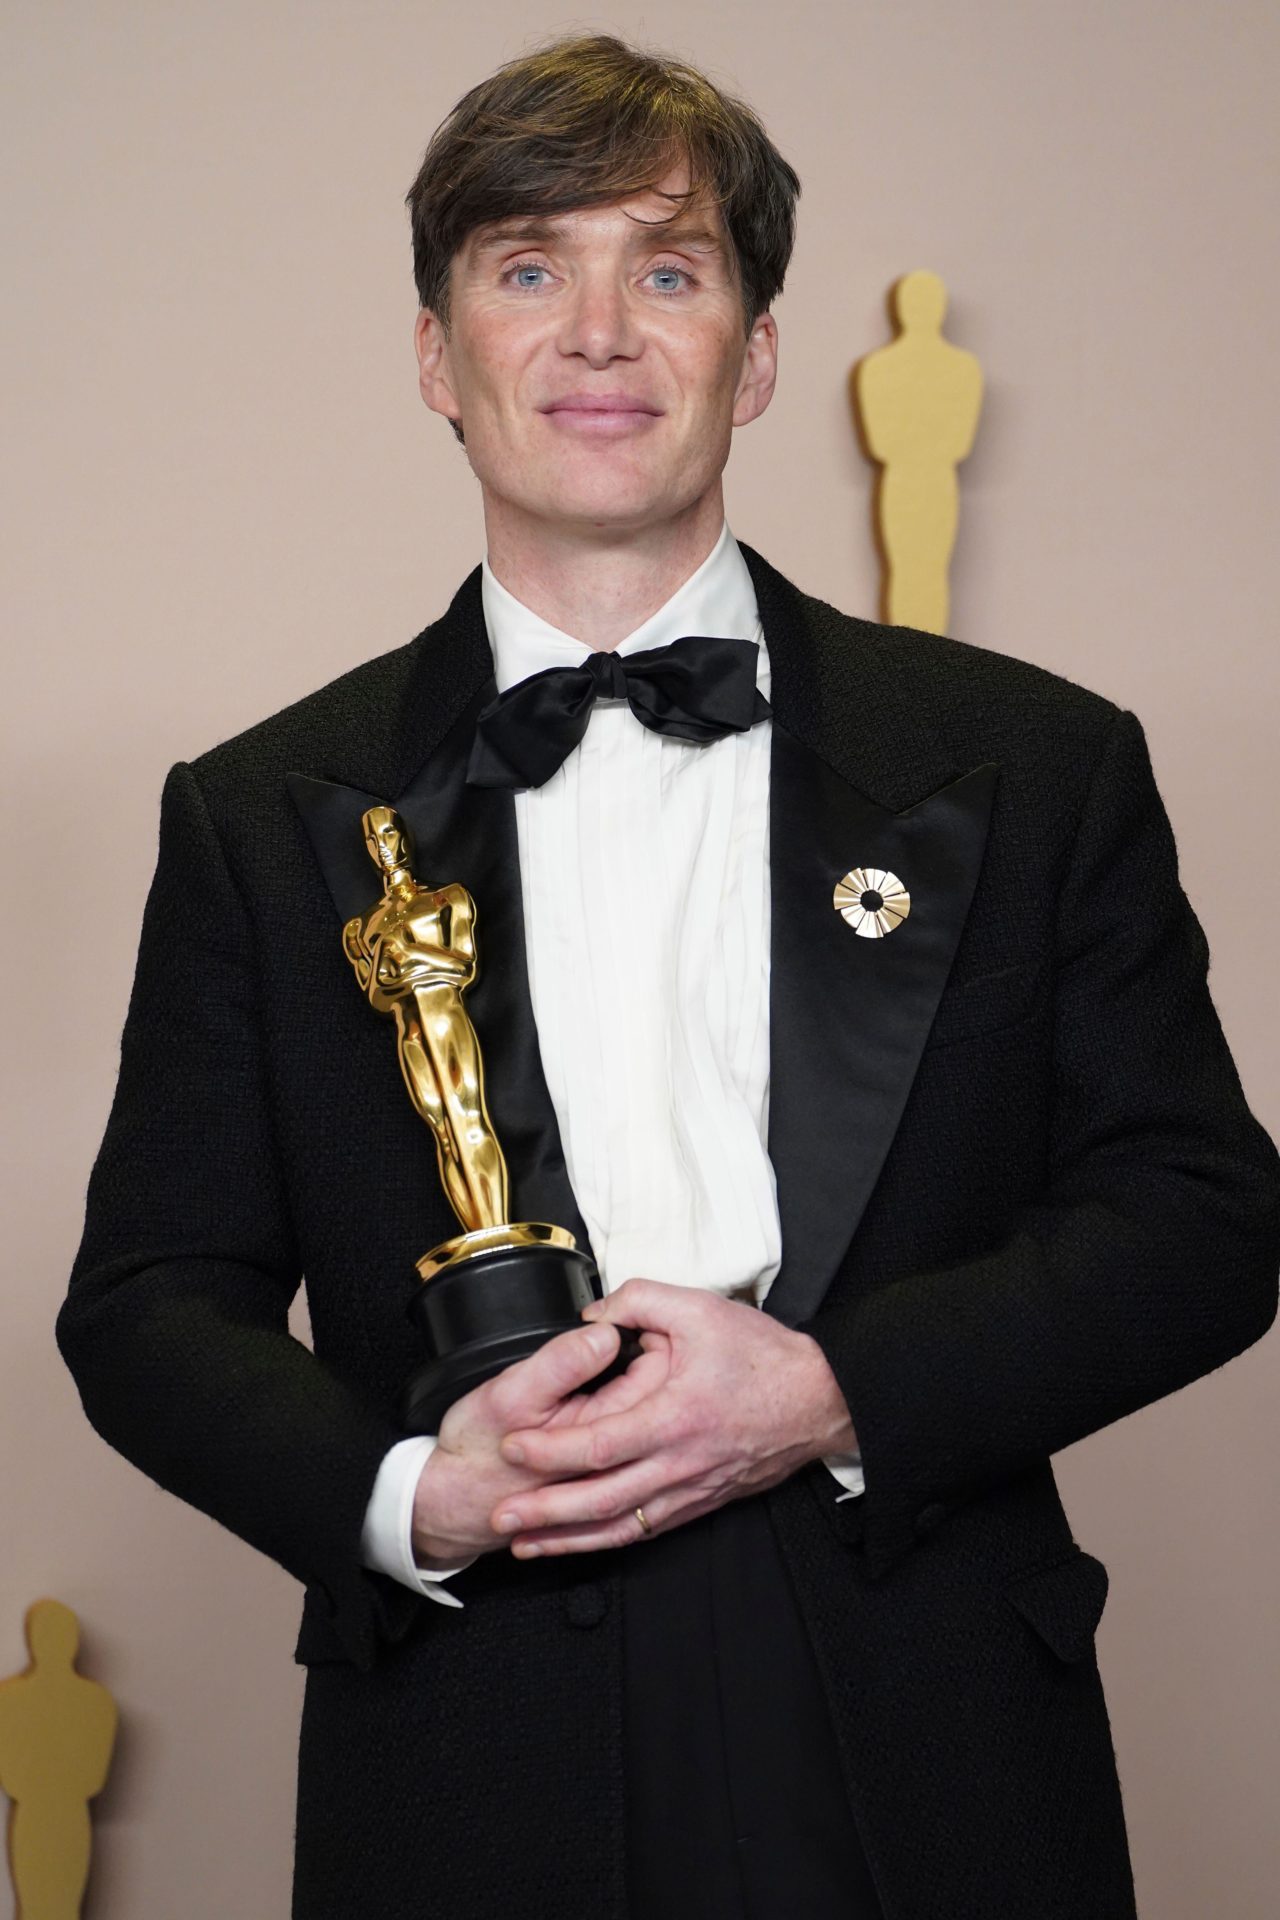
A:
527	1393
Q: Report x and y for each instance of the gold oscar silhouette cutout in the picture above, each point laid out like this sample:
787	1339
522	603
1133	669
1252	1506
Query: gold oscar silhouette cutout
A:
57	1730
918	402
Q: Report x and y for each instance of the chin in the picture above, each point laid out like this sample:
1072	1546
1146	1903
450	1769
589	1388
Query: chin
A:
602	503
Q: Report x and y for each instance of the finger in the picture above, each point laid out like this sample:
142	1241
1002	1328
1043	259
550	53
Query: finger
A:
584	1539
526	1393
589	1445
674	1509
569	1410
575	1503
640	1304
645	1374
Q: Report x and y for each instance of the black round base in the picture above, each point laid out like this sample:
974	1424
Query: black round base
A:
493	1309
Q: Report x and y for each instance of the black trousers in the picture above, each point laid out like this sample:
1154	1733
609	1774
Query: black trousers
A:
736	1805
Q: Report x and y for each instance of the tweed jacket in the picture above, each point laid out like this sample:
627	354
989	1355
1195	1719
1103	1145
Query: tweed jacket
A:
1022	1196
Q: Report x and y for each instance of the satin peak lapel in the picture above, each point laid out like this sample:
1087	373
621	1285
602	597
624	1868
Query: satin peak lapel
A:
849	1015
858	778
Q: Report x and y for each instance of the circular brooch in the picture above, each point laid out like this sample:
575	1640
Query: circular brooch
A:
872	901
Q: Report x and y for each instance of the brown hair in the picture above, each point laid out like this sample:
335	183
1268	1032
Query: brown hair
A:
587	121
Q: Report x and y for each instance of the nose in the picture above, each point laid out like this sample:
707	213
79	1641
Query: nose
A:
599	321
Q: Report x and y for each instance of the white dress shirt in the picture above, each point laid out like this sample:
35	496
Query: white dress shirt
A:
644	872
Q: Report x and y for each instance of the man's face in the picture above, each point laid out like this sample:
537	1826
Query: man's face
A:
595	309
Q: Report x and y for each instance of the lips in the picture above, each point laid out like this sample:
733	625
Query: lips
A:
599	403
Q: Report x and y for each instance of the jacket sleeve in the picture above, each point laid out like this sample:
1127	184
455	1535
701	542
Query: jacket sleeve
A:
175	1324
1150	1258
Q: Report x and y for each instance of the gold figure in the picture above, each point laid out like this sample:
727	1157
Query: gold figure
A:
414	955
57	1731
918	402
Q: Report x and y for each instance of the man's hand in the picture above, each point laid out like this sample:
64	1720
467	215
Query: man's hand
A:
745	1402
467	1476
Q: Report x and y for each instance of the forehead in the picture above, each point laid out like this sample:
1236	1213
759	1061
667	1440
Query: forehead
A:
642	221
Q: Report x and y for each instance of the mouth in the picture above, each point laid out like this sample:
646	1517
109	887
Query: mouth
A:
601	413
601	417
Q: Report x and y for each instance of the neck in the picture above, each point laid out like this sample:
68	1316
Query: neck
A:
599	583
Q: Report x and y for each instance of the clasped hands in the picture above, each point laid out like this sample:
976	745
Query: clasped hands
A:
722	1401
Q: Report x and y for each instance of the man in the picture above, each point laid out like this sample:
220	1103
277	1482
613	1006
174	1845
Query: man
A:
990	1173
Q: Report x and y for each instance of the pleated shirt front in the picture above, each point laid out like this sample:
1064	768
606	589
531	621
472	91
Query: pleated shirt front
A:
645	880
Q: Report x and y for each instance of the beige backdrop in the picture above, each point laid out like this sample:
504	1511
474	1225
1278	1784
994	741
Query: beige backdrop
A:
226	491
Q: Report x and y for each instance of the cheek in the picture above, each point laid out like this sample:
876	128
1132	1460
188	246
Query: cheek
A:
707	376
491	368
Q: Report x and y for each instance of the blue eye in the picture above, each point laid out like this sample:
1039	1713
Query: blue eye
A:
536	266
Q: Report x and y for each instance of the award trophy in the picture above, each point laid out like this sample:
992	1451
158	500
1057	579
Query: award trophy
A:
498	1290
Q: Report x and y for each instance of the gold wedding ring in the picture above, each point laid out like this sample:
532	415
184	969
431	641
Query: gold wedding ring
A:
644	1524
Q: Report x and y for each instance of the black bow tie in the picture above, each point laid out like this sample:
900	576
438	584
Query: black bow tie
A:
698	688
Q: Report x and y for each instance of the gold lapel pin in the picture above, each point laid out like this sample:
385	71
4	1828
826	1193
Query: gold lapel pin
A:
873	901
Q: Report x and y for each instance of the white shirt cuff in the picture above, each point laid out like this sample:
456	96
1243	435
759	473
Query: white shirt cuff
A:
847	1468
386	1541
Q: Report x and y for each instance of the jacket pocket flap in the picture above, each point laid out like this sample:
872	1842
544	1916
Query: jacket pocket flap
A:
1063	1602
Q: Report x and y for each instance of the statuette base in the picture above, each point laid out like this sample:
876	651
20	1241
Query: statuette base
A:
489	1298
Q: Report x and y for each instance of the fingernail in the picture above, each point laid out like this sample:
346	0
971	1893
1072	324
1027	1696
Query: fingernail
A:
598	1340
508	1523
527	1550
514	1452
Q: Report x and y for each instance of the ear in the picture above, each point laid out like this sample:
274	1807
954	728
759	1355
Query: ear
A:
434	376
759	371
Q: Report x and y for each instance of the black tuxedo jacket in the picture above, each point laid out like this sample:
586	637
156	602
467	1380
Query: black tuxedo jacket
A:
1021	1194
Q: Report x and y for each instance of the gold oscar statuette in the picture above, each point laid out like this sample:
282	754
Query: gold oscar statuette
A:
496	1291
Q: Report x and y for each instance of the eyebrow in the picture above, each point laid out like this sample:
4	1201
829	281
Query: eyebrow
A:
679	231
